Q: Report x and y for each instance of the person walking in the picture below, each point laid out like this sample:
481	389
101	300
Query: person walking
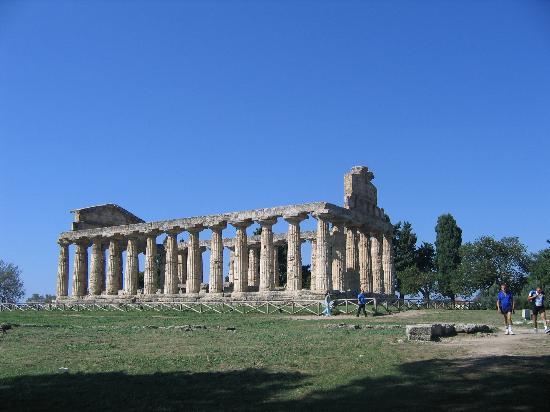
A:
361	301
536	297
506	306
328	305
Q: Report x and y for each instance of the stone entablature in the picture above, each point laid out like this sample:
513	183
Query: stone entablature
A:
351	248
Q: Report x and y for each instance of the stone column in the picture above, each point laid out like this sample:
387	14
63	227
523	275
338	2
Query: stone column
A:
387	263
313	264
231	264
266	254
276	280
62	288
240	276
80	269
182	266
114	267
294	254
202	249
351	278
365	269
171	268
253	267
376	256
194	261
97	267
323	277
149	277
132	267
338	255
216	259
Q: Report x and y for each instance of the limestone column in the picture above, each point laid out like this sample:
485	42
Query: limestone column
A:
313	264
132	267
202	249
231	264
150	274
63	269
216	259
338	255
294	253
323	277
253	267
387	263
194	261
114	267
171	268
351	278
266	254
240	276
376	256
276	280
97	267
365	273
80	269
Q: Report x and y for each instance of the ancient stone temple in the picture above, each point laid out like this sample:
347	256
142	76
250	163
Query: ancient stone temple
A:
350	249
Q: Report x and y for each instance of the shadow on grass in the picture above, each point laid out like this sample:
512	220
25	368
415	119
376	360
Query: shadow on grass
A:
495	383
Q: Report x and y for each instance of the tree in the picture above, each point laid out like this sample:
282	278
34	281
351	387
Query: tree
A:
488	261
447	254
420	277
11	285
540	268
404	252
36	298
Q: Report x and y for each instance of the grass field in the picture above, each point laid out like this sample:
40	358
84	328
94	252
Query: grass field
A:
142	361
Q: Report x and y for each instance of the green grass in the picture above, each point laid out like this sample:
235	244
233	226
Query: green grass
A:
125	361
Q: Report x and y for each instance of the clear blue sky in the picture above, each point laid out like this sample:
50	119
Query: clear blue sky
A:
174	109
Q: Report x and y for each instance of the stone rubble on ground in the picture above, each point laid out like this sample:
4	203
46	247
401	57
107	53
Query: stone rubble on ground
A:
429	332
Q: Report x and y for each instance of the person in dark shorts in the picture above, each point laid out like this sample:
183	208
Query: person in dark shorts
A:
361	301
506	306
536	297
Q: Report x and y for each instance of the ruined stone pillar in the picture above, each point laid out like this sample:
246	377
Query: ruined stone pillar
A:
231	264
97	267
132	267
276	274
182	266
114	267
150	274
171	268
387	263
365	273
338	255
294	253
216	259
266	254
377	270
313	264
240	276
351	277
80	269
194	261
62	288
323	277
253	266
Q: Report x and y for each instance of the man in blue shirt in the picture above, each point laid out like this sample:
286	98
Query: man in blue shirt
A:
506	306
536	297
361	301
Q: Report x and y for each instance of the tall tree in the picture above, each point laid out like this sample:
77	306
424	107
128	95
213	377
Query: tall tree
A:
421	277
447	254
11	285
540	268
487	261
404	252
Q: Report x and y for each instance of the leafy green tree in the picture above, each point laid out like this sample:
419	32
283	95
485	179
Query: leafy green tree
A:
11	285
420	277
487	262
447	255
404	252
37	298
540	268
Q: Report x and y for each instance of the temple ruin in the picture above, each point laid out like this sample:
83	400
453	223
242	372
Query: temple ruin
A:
351	249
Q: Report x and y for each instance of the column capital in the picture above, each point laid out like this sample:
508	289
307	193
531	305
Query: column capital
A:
324	216
173	231
267	221
63	242
218	226
194	229
241	223
295	218
151	233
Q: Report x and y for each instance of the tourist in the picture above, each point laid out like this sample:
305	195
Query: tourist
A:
361	301
328	305
536	297
506	306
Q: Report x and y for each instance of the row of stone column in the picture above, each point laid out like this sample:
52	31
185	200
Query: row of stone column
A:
338	257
